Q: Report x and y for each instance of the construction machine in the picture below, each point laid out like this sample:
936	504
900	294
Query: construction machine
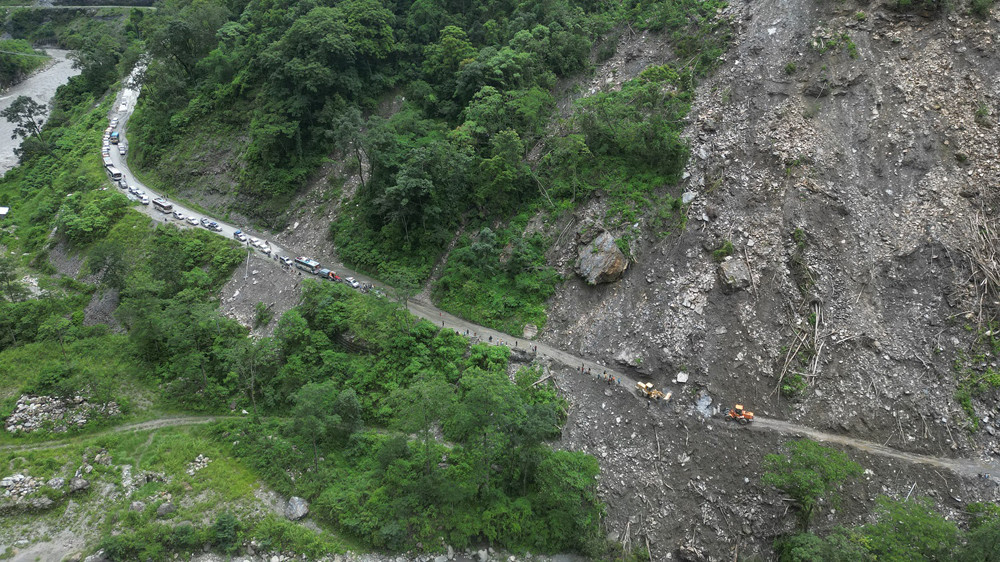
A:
741	415
645	389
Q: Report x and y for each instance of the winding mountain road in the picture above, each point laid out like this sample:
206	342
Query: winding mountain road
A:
427	311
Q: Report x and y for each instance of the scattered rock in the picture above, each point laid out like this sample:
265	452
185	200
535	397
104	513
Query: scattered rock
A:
200	462
601	261
42	503
137	506
32	413
296	509
56	482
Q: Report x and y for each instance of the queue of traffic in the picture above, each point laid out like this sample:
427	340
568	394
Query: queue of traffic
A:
113	137
312	266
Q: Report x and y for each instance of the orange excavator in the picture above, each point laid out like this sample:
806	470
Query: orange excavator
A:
740	415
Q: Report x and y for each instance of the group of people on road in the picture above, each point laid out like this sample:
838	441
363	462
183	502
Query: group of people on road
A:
610	379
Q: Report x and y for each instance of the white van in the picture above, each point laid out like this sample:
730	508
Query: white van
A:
114	173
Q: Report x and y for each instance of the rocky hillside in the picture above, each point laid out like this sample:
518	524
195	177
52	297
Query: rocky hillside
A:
844	178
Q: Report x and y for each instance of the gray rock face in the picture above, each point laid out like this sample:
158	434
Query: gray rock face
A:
165	509
56	482
137	506
77	484
96	557
601	261
734	275
42	503
296	509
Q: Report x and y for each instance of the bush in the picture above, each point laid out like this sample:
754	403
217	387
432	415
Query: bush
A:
225	533
810	473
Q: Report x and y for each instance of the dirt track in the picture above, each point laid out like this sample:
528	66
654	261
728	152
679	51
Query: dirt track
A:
141	426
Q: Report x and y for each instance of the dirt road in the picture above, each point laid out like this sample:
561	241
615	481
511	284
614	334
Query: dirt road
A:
964	467
141	426
585	367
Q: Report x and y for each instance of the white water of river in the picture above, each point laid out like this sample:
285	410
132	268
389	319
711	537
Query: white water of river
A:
40	86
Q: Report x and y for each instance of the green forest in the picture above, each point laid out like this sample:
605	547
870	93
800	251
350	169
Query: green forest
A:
401	432
478	147
14	67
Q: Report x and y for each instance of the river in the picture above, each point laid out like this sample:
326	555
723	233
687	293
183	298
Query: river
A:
40	86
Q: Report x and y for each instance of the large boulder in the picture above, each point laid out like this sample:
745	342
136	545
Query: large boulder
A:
78	484
297	508
165	509
734	275
601	261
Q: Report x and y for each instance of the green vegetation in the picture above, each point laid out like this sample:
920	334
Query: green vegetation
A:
802	274
492	478
810	474
907	529
15	67
498	280
353	374
306	80
724	250
982	115
790	68
981	8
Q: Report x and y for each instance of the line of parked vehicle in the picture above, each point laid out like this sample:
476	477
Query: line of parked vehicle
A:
312	266
112	136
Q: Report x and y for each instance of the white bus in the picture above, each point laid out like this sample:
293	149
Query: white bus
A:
114	173
306	264
162	205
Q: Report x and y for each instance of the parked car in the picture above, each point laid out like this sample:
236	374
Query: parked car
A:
324	273
114	123
193	221
214	226
352	282
178	215
122	183
121	149
144	200
133	190
287	261
240	236
205	222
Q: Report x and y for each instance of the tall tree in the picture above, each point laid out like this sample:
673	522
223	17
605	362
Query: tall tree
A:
27	115
12	288
256	363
